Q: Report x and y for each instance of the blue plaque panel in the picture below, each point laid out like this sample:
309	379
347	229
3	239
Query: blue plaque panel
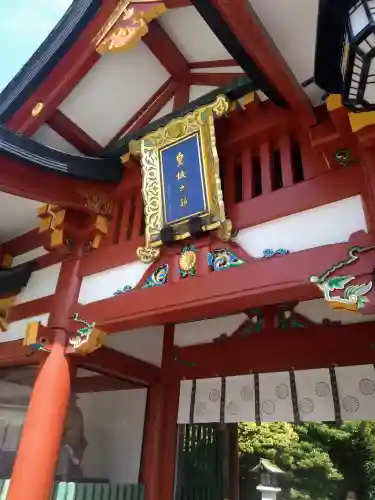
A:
183	180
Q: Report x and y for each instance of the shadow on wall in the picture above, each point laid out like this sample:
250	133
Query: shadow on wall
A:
103	431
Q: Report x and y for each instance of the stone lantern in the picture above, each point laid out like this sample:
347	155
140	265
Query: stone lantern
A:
269	479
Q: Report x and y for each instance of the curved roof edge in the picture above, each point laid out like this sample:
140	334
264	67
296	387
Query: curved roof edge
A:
42	62
14	279
22	148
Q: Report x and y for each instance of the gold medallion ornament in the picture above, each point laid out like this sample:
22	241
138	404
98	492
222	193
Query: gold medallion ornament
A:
188	261
148	254
37	109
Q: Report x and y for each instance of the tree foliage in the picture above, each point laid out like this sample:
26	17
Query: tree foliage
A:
321	461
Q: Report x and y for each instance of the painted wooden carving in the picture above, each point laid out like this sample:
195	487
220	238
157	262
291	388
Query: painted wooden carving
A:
340	291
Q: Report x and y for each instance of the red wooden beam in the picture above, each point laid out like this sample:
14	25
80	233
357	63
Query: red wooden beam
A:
260	282
277	350
31	182
246	26
219	63
101	383
214	79
148	111
333	186
72	133
181	97
176	4
65	76
116	364
165	50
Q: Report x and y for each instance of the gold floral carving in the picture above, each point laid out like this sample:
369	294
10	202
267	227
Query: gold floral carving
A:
148	254
200	121
127	26
37	109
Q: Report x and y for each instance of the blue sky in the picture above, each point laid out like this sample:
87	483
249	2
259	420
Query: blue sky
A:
24	24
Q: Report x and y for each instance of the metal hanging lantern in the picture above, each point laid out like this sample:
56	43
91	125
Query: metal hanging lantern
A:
358	57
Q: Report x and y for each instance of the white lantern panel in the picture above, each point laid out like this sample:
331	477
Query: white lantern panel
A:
358	18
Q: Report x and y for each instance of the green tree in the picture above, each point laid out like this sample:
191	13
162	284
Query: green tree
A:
310	472
321	461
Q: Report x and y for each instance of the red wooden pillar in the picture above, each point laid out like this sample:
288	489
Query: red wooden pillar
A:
160	432
37	455
152	442
171	391
35	464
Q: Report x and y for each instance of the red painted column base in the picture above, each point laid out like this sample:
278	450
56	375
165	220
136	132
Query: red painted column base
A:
38	452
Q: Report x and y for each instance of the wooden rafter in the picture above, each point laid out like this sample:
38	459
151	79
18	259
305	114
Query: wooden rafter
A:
148	111
181	97
213	79
110	362
26	181
165	50
100	383
72	133
219	63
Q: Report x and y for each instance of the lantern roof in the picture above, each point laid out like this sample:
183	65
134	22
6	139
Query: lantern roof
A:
268	466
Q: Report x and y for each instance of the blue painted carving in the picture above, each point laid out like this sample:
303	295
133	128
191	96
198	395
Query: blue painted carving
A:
158	277
268	252
120	291
223	259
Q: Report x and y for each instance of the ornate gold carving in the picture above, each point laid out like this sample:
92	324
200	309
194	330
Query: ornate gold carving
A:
201	122
225	231
99	204
148	254
6	261
88	337
127	26
37	109
5	307
52	219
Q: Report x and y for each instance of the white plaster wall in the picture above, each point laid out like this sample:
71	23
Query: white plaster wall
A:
41	284
201	332
27	256
104	284
115	88
113	426
47	136
324	225
143	343
17	329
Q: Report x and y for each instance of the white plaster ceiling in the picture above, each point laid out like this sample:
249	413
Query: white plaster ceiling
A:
292	26
318	309
192	36
143	343
47	136
17	216
116	87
